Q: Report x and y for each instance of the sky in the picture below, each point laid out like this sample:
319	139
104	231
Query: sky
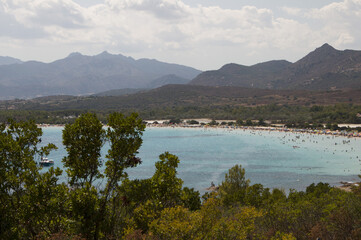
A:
204	34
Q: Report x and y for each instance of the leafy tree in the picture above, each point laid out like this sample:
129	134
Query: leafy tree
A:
83	141
256	195
148	197
239	122
190	199
283	236
261	122
213	123
175	121
249	122
124	134
24	192
192	122
234	187
210	212
238	223
175	223
167	187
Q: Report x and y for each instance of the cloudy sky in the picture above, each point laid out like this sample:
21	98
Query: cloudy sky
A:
204	34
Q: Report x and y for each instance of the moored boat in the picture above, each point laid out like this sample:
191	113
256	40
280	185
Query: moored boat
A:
45	162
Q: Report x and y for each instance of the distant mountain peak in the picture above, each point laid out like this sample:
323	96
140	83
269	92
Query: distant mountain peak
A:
9	60
320	54
231	67
107	55
326	48
75	54
104	53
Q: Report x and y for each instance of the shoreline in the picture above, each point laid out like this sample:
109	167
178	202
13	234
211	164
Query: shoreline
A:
338	183
327	132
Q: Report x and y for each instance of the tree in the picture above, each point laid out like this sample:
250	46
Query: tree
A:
190	199
175	121
192	122
249	122
239	122
213	123
124	134
83	139
238	223
175	223
24	192
261	122
166	186
233	188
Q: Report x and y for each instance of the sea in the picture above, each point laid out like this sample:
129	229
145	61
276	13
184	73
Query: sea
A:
284	160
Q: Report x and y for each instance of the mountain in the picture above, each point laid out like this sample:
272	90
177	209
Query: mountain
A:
120	92
78	74
323	69
9	60
168	79
257	76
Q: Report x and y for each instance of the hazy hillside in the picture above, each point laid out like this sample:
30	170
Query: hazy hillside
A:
257	76
9	60
79	75
168	79
120	92
323	69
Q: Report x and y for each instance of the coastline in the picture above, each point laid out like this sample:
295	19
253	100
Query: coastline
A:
342	185
204	125
270	129
292	142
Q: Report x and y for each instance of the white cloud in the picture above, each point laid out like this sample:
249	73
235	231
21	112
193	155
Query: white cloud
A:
35	13
340	21
167	9
292	11
205	37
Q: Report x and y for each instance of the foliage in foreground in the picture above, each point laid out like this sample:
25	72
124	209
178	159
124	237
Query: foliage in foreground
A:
95	204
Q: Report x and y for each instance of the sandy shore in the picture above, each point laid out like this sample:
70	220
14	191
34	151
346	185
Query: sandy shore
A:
277	129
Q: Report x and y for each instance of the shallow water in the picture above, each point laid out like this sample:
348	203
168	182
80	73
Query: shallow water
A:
274	159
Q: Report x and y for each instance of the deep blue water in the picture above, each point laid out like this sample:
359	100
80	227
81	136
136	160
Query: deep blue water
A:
269	158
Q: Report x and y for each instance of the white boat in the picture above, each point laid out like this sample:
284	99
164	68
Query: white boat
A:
45	162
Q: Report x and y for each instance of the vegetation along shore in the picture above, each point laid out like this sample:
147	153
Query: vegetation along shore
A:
36	205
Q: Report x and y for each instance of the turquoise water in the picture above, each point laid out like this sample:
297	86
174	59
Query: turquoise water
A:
274	159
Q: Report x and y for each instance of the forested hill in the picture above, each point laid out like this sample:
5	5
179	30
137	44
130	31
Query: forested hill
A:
323	69
78	74
188	95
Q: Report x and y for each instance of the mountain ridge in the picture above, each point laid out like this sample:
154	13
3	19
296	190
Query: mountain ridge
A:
79	74
325	68
9	60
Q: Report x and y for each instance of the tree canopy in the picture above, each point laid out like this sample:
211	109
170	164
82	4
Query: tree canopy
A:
106	204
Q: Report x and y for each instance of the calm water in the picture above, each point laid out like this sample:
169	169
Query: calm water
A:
274	159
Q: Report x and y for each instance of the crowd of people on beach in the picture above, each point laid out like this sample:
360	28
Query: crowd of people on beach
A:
344	133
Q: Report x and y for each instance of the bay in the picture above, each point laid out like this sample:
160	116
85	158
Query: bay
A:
274	159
